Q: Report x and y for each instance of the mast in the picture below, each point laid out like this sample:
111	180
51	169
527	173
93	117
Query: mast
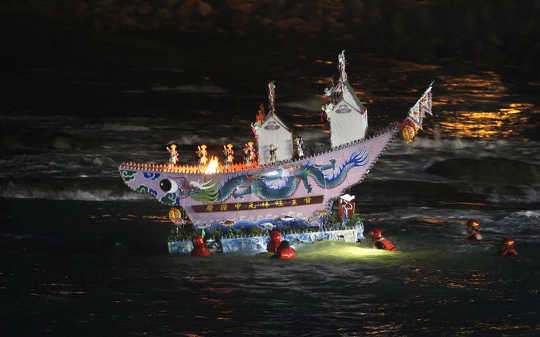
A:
271	96
341	62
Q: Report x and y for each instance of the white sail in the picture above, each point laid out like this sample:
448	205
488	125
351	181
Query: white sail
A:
347	116
272	135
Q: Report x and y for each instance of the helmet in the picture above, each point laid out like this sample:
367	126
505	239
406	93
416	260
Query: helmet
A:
250	143
473	223
198	241
376	234
203	146
173	146
229	146
509	242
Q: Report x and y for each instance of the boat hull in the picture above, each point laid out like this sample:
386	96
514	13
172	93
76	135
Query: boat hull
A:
257	244
298	189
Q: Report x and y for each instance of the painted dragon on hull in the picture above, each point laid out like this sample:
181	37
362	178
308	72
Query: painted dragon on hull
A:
278	186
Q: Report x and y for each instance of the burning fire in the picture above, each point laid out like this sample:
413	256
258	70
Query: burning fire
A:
213	166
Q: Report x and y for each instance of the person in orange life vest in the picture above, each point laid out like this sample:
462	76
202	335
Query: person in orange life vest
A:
380	242
199	246
275	240
285	251
472	230
508	247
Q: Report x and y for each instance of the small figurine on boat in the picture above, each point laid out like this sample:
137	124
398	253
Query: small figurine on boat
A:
229	154
203	155
299	142
173	159
277	183
249	152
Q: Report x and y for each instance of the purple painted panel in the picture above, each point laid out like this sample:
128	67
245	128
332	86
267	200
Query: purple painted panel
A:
293	188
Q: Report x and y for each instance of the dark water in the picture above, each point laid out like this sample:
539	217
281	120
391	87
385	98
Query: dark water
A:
83	255
335	291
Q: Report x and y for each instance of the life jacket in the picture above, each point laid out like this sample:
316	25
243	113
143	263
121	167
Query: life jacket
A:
272	247
383	243
287	253
508	247
509	251
200	251
474	236
275	240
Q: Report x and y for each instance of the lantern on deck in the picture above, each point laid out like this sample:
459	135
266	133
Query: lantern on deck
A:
408	130
175	215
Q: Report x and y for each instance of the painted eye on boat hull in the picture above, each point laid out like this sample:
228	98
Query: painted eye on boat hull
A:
168	186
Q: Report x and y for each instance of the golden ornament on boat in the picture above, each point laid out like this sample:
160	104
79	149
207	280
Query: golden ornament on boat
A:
176	216
408	131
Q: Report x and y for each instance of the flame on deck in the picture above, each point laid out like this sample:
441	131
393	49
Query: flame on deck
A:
213	166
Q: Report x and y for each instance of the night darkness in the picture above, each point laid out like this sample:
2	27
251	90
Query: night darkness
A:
90	84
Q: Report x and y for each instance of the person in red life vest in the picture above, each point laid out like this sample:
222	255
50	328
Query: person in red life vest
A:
380	242
508	247
285	251
472	230
199	246
275	240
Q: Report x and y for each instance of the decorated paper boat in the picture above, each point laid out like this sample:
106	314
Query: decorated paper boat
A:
278	185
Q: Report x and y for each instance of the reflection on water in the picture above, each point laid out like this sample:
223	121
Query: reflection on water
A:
343	252
331	289
481	106
502	123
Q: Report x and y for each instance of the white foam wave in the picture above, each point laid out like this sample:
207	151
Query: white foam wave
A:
450	224
528	214
93	160
79	195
